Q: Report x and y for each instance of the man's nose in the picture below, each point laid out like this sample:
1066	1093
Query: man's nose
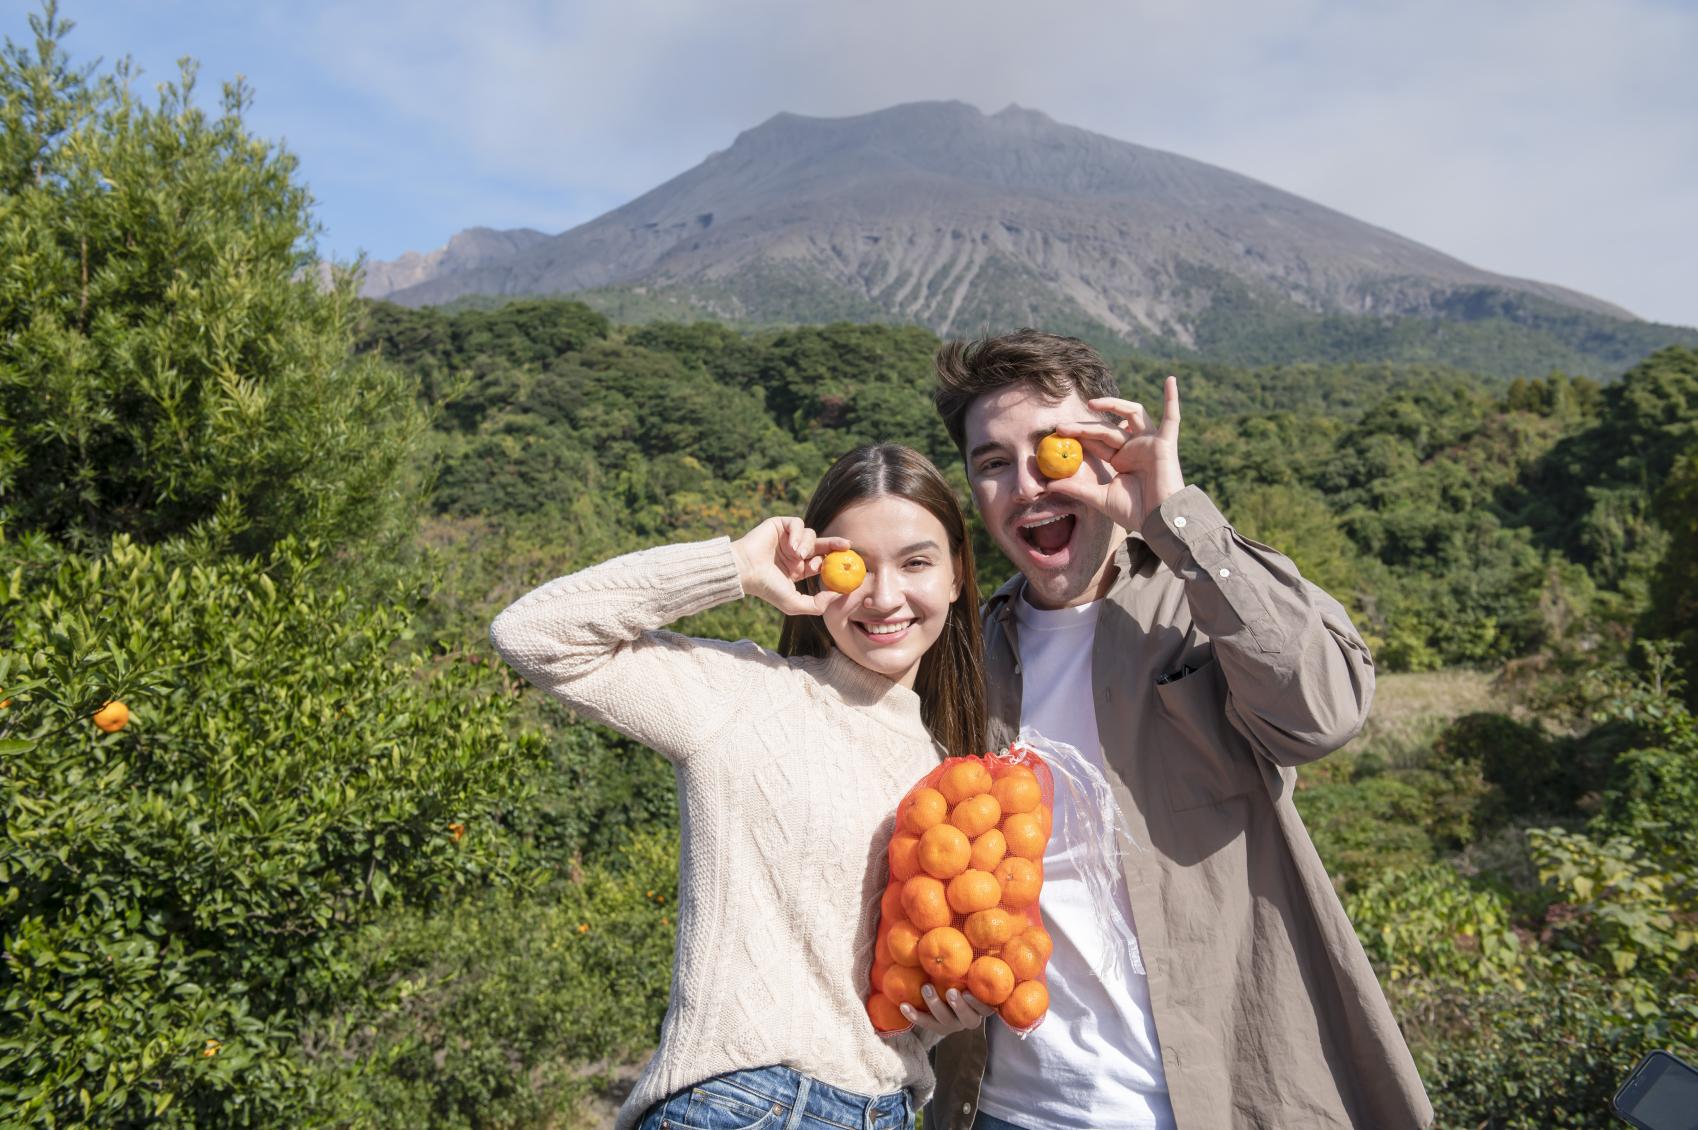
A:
1029	483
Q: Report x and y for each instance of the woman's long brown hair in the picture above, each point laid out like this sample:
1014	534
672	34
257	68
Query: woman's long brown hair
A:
950	682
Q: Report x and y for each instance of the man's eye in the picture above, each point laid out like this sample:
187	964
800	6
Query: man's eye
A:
990	465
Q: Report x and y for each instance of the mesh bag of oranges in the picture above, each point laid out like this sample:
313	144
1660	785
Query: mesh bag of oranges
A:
961	907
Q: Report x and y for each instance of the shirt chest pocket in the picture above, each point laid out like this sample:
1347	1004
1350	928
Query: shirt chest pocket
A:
1204	760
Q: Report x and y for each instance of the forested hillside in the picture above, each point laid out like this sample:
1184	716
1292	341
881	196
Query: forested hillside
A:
334	866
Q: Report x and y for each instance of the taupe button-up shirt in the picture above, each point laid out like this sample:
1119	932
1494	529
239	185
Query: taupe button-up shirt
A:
1216	669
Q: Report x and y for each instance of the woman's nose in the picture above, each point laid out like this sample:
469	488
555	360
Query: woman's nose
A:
884	591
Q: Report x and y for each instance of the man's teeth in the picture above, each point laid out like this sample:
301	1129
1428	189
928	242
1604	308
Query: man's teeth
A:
1044	522
885	629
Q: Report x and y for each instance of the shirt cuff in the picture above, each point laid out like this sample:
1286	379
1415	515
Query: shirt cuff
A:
1185	518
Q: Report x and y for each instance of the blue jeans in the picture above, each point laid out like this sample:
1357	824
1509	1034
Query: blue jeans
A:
776	1098
991	1122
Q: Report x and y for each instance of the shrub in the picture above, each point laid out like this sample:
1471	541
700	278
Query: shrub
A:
291	765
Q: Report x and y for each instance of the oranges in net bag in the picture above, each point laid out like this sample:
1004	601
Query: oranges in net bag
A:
960	910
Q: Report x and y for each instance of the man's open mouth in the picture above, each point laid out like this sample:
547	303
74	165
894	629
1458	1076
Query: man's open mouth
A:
1048	536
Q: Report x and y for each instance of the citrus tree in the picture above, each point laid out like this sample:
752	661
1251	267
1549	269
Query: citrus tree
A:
170	362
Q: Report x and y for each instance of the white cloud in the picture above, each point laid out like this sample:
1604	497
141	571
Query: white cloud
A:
1553	140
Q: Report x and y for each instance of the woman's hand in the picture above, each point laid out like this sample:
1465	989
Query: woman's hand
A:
776	554
960	1012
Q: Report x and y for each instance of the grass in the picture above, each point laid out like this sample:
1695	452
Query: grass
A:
1411	709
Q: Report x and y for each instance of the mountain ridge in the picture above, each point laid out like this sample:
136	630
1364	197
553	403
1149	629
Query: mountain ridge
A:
938	214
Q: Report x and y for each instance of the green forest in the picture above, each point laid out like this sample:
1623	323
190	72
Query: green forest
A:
341	868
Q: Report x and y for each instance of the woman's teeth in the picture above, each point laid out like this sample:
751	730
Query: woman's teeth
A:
885	629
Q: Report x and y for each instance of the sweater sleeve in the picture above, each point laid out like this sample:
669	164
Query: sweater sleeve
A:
592	640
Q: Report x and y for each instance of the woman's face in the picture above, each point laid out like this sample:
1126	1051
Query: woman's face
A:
898	612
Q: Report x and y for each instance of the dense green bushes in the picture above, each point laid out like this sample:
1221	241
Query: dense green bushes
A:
291	766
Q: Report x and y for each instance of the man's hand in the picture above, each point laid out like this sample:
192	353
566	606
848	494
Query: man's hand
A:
1139	460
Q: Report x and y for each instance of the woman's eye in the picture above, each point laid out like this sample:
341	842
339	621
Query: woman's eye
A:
918	562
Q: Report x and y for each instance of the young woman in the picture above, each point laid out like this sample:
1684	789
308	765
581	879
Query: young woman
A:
789	768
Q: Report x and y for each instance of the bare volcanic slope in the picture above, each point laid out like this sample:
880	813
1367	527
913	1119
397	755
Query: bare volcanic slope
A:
938	214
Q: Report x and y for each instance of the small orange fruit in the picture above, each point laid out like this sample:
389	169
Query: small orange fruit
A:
967	777
1023	957
973	891
925	904
945	954
1018	792
923	809
1059	456
1025	835
904	855
902	984
988	929
903	937
881	949
977	814
885	1015
880	968
890	903
945	851
843	571
457	830
1044	820
112	717
988	850
1041	941
1026	1005
1021	881
990	979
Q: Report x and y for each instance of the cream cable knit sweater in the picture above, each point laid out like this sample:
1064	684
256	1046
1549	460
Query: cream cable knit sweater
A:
789	771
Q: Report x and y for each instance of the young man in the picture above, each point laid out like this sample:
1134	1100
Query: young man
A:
1197	668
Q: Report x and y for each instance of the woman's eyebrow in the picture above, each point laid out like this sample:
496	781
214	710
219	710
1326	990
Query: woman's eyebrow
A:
916	547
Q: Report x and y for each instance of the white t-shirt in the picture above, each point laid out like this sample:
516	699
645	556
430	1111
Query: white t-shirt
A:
1095	1060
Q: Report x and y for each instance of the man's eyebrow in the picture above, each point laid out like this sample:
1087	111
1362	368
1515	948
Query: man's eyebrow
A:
983	448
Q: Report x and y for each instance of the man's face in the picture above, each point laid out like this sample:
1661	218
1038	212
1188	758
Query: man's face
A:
1065	549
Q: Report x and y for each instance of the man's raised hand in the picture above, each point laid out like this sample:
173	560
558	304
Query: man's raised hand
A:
1139	460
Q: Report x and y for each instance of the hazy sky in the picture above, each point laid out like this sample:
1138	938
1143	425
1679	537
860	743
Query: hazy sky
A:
1555	140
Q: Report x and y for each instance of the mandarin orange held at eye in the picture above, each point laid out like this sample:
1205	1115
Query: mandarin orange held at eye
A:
843	571
1059	456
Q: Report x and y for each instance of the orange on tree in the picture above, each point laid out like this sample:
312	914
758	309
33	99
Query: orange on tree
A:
925	903
990	979
1059	456
902	984
885	1014
1025	835
904	855
945	954
1023	957
945	851
923	809
988	850
966	778
902	938
988	929
973	891
843	571
1017	792
976	815
1026	1005
1021	881
112	717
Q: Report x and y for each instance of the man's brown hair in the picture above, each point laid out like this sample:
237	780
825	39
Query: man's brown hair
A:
1054	365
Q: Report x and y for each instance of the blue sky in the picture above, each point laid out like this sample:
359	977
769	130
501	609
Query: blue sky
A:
1555	140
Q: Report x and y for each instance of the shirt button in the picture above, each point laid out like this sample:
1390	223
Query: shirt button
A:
1226	572
1180	522
966	1108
